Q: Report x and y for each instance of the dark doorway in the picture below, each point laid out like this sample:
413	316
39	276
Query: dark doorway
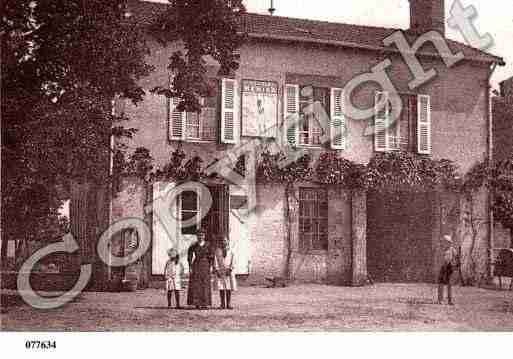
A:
216	220
399	237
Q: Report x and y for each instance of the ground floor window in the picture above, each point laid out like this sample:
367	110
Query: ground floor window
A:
313	219
189	208
215	221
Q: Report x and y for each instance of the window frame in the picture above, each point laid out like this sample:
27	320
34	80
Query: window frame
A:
311	133
185	115
316	242
181	212
395	139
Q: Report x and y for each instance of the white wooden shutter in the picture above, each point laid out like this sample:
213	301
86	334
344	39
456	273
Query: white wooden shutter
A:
424	124
229	118
337	120
291	113
162	230
381	122
176	121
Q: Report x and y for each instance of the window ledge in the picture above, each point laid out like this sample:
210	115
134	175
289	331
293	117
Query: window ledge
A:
312	147
194	141
313	252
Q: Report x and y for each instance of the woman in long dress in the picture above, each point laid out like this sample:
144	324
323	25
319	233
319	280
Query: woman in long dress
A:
200	258
224	267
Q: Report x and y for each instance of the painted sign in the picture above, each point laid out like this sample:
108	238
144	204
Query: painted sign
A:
259	108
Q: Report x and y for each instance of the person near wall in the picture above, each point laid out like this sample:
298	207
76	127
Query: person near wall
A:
200	258
224	264
450	262
173	273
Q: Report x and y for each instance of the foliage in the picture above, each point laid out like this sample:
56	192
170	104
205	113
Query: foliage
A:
502	185
206	29
178	170
63	61
332	169
398	171
139	164
270	168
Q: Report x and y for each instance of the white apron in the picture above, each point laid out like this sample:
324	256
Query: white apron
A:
225	273
173	273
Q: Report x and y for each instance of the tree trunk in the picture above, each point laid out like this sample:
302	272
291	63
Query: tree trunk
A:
511	237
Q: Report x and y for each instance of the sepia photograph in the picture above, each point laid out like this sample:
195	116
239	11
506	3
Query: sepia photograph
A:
255	166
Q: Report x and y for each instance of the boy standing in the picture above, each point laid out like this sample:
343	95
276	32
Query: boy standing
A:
450	261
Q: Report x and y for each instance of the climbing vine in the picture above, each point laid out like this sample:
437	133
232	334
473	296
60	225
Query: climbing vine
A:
400	171
180	169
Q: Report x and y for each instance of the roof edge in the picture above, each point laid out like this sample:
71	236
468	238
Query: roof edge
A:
493	59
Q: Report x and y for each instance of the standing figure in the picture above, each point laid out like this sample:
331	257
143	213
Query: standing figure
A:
200	258
173	273
450	261
224	264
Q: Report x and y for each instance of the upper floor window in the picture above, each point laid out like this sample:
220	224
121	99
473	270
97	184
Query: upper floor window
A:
208	125
411	131
314	116
313	219
310	125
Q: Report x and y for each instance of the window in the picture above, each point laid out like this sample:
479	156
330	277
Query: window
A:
401	136
189	208
192	126
313	219
312	113
310	129
202	127
410	132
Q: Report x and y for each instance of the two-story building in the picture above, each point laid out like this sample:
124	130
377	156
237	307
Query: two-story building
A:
337	237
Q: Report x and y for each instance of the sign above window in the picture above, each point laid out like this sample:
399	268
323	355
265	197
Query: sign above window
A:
259	108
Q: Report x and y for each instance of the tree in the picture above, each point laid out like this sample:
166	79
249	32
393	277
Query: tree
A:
63	62
206	28
502	186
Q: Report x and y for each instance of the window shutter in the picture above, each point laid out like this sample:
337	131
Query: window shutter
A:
229	119
161	241
424	124
291	104
337	120
381	122
176	121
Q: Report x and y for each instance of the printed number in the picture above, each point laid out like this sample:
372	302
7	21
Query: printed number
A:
37	344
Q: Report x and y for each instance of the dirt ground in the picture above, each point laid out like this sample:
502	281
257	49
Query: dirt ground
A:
381	307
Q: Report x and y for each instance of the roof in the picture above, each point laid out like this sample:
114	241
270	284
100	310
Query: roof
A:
259	26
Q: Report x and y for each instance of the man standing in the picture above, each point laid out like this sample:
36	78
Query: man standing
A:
450	261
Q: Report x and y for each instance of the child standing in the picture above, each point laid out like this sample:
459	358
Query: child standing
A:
450	262
173	273
224	264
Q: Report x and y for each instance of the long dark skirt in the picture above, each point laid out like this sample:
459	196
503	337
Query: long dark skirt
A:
199	293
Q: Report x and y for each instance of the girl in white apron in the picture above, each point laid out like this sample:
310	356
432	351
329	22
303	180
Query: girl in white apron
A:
173	273
224	265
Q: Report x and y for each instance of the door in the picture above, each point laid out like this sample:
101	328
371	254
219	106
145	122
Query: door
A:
239	232
399	237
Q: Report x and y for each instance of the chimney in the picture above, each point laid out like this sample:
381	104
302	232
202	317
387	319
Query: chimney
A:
427	15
